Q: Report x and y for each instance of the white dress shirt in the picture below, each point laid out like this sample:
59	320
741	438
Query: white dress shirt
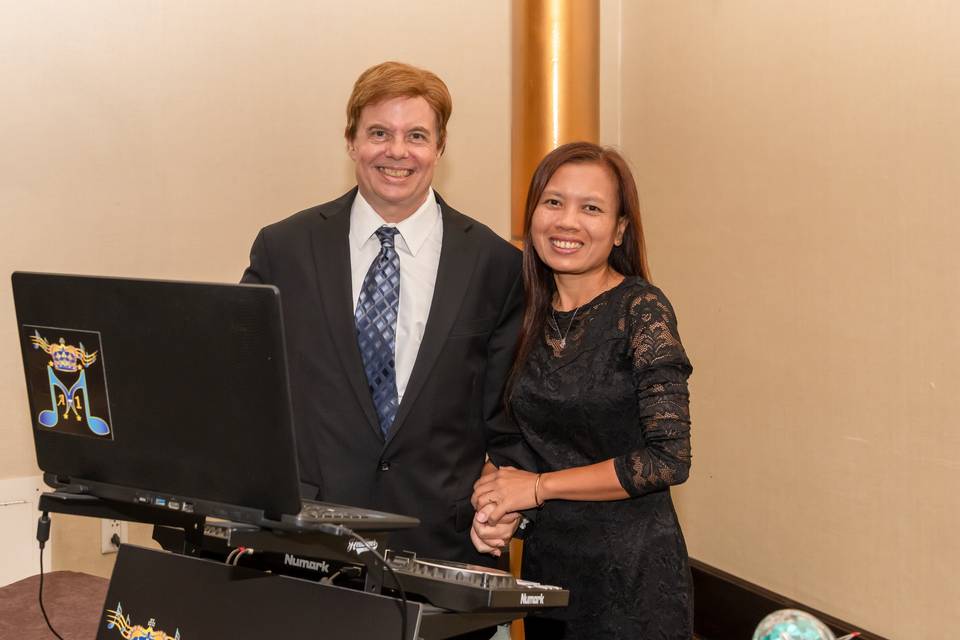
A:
418	243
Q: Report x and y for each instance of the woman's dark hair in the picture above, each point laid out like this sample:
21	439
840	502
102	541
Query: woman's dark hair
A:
628	259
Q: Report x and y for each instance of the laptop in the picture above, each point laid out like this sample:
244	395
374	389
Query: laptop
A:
169	394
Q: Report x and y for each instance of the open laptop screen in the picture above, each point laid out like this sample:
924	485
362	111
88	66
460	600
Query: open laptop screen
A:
169	387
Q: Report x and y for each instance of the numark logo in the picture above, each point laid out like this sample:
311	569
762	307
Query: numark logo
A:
319	566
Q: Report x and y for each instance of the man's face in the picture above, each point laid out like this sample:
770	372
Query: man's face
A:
395	152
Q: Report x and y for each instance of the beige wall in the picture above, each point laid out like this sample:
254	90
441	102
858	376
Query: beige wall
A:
155	138
799	163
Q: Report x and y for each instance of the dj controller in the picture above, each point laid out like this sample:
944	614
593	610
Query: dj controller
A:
353	560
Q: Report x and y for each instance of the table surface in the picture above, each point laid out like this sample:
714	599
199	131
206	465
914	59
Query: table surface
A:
74	602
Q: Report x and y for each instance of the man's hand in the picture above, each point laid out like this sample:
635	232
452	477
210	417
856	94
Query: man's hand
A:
488	538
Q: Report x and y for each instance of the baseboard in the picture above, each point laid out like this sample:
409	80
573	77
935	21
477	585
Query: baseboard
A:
729	608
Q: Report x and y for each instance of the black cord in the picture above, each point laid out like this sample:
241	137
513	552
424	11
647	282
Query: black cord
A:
383	561
43	534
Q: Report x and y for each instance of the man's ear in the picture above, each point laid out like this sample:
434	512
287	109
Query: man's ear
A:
352	150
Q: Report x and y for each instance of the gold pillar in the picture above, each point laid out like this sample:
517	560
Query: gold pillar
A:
556	86
556	99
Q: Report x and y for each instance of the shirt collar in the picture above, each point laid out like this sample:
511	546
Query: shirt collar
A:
413	230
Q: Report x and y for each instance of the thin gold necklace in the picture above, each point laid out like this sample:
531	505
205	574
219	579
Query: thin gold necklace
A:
556	325
563	336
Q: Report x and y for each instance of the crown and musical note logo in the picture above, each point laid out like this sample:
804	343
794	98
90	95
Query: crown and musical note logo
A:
117	620
68	384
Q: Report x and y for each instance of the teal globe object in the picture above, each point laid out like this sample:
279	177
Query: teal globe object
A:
792	624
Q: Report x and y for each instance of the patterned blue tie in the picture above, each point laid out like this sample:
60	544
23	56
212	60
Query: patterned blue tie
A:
376	317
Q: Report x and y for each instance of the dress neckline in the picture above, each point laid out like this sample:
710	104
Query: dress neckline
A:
590	303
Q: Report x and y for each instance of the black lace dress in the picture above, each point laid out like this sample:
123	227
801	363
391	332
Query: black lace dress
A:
617	389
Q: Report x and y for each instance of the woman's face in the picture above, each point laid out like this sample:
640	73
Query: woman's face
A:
577	219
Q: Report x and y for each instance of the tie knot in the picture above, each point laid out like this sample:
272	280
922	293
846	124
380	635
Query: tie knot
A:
386	235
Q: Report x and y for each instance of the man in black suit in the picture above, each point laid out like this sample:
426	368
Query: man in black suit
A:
401	319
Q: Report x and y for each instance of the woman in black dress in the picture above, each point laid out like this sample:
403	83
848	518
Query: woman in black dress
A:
599	390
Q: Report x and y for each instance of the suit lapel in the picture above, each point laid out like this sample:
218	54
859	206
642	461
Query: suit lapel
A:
331	252
458	258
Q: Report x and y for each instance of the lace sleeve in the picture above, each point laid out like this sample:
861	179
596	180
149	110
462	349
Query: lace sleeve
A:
660	372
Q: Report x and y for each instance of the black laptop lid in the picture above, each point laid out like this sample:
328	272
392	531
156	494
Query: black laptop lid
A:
169	387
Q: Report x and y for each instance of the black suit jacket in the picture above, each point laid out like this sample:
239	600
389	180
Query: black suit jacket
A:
452	412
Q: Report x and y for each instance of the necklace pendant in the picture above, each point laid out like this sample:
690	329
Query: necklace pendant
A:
563	336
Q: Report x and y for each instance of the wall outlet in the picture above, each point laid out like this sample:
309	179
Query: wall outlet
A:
109	529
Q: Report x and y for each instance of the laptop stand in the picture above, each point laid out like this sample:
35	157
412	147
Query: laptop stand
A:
194	597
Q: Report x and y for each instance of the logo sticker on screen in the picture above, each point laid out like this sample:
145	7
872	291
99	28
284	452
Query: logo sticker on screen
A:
68	386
